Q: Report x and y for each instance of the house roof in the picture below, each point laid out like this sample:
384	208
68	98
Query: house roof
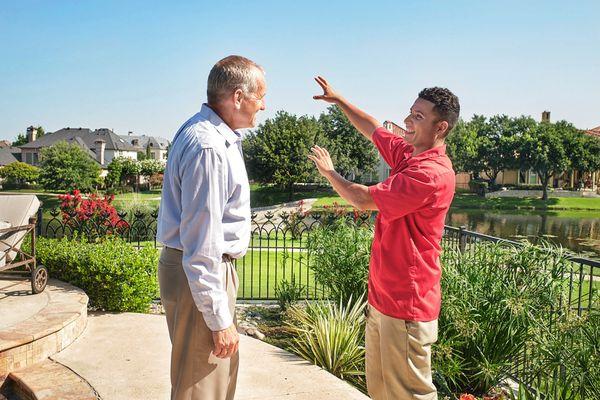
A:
144	141
9	155
594	131
394	128
86	136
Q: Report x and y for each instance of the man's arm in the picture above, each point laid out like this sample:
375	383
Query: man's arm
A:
203	198
362	121
356	194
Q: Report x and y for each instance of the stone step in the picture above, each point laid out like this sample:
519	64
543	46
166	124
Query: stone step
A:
34	327
47	380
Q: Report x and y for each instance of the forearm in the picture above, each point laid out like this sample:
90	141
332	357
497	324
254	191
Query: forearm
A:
362	121
356	194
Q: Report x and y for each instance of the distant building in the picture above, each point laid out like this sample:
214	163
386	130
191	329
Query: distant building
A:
155	147
383	169
4	144
101	144
9	155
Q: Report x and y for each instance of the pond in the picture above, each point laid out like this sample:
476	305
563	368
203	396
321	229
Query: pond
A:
578	231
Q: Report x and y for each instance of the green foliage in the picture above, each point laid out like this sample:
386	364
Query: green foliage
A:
114	274
496	300
19	173
123	171
278	151
331	336
20	140
544	149
149	167
352	154
67	167
289	292
339	255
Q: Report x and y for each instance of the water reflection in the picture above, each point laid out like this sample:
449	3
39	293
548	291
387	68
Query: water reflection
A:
577	231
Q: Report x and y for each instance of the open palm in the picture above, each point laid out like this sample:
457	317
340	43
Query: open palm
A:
329	95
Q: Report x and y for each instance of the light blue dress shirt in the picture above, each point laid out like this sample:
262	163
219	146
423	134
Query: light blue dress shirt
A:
205	209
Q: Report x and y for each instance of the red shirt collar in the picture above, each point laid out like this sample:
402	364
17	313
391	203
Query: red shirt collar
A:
437	151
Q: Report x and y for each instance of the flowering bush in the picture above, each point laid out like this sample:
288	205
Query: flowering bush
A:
95	215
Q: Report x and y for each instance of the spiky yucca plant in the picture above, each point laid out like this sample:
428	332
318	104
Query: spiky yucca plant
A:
331	335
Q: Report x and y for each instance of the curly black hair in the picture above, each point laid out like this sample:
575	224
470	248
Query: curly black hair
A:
446	104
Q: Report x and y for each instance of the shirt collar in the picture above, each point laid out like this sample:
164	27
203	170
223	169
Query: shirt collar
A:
437	151
230	136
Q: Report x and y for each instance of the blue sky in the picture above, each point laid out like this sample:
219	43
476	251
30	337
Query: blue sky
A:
142	65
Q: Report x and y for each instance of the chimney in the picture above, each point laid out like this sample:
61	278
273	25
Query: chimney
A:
546	116
31	134
100	147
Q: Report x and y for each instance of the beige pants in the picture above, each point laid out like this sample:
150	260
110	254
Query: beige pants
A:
196	374
398	361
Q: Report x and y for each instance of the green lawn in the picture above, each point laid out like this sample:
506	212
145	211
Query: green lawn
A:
261	270
471	201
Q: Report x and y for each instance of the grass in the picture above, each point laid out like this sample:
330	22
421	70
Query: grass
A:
471	201
259	271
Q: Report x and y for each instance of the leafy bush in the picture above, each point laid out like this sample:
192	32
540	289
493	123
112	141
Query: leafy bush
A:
67	167
340	255
496	300
19	174
479	187
114	274
93	216
331	336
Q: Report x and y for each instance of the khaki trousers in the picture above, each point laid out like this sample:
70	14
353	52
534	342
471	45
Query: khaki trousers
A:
196	374
398	360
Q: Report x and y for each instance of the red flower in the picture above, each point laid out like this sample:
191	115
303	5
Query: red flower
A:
466	396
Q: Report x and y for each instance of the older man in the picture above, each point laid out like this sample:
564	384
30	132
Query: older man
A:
404	273
204	224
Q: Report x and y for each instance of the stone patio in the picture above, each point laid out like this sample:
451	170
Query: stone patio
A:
126	355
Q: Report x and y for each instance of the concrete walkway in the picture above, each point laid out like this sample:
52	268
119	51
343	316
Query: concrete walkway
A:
126	356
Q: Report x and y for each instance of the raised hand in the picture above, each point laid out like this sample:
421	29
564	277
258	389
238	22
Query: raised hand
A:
322	160
329	95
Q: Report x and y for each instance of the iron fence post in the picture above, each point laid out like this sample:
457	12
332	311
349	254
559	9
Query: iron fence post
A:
462	239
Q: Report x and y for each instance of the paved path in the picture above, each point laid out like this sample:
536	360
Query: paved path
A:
126	356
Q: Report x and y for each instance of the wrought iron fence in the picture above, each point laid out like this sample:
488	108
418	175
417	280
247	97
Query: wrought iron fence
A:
277	249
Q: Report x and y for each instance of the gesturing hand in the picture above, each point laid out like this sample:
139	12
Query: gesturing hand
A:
329	95
226	342
322	160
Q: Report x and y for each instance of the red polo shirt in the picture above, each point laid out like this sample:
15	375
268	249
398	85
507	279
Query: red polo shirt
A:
405	271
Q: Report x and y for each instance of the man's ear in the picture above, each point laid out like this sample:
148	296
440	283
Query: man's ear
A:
238	97
442	129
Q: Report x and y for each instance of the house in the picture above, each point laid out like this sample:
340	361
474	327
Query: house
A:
101	144
153	146
4	144
9	155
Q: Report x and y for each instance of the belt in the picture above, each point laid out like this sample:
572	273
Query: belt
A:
224	258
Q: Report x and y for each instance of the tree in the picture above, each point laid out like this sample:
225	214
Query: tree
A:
123	170
462	147
19	173
22	138
353	154
149	167
68	167
543	149
278	151
583	150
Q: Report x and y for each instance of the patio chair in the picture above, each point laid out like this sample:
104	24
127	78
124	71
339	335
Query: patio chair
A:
17	220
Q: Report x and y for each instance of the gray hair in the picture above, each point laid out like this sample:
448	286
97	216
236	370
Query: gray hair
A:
230	74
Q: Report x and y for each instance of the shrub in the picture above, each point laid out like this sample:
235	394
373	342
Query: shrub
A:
340	255
67	167
495	302
479	187
19	174
93	216
114	274
289	292
331	336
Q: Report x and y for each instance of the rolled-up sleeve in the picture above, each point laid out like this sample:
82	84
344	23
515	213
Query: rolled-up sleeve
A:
204	195
403	193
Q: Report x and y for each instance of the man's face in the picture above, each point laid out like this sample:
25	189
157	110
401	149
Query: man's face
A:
421	124
252	104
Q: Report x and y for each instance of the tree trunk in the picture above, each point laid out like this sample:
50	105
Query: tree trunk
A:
290	192
545	187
